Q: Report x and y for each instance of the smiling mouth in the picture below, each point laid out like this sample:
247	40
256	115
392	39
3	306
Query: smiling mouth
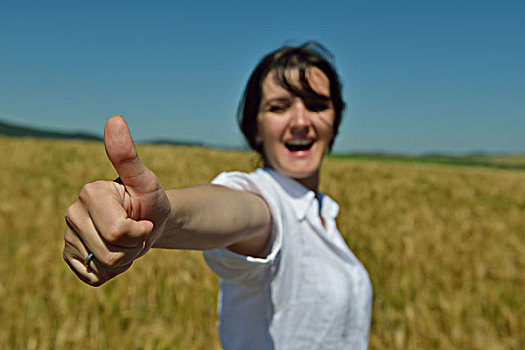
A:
299	145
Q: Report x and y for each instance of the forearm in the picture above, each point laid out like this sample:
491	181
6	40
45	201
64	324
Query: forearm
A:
212	216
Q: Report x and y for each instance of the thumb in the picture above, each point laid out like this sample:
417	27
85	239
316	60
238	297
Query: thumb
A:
122	153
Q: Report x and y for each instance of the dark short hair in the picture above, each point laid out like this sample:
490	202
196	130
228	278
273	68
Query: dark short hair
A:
300	58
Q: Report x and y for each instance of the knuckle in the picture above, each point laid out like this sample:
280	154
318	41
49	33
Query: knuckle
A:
68	235
69	215
111	259
88	190
65	255
115	232
72	216
85	191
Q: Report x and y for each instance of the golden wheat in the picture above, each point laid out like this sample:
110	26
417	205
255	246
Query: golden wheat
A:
445	248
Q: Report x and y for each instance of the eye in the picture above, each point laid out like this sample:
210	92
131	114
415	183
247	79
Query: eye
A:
317	106
277	108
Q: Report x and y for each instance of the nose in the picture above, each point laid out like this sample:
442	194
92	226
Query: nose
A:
300	121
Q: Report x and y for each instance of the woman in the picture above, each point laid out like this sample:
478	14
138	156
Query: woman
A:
287	279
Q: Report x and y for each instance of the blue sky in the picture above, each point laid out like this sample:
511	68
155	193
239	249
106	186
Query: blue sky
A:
419	76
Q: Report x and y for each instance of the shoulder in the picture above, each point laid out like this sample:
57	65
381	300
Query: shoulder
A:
257	181
233	266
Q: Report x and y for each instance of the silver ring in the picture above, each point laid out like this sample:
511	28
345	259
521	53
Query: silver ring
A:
88	259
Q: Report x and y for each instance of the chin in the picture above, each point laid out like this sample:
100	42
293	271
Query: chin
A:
299	165
298	173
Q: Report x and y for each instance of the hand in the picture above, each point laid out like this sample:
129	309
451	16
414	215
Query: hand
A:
115	222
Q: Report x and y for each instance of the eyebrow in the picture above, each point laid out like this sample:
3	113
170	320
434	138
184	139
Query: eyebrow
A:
278	99
319	98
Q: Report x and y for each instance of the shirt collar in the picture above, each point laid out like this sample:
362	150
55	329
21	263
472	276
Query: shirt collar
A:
329	208
302	197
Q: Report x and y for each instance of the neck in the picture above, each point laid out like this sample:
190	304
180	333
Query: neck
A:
310	182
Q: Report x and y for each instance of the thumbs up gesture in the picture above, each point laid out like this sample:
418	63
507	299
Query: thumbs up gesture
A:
112	224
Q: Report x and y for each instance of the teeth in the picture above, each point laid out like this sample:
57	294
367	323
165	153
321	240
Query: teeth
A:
299	142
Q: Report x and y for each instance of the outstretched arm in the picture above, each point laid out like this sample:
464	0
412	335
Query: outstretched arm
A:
117	223
213	216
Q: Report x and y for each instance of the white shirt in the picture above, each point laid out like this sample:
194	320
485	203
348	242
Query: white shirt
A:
310	292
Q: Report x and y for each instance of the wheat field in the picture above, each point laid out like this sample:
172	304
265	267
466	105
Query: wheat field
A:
444	246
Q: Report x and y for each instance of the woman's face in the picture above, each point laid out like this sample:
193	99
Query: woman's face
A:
296	133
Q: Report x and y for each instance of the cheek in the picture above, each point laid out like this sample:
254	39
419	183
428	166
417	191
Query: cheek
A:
327	126
269	130
324	126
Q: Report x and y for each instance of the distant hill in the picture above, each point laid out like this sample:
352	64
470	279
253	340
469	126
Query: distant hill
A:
172	143
504	161
17	130
10	129
509	161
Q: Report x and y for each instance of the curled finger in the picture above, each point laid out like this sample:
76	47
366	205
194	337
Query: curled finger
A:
84	263
81	224
110	207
